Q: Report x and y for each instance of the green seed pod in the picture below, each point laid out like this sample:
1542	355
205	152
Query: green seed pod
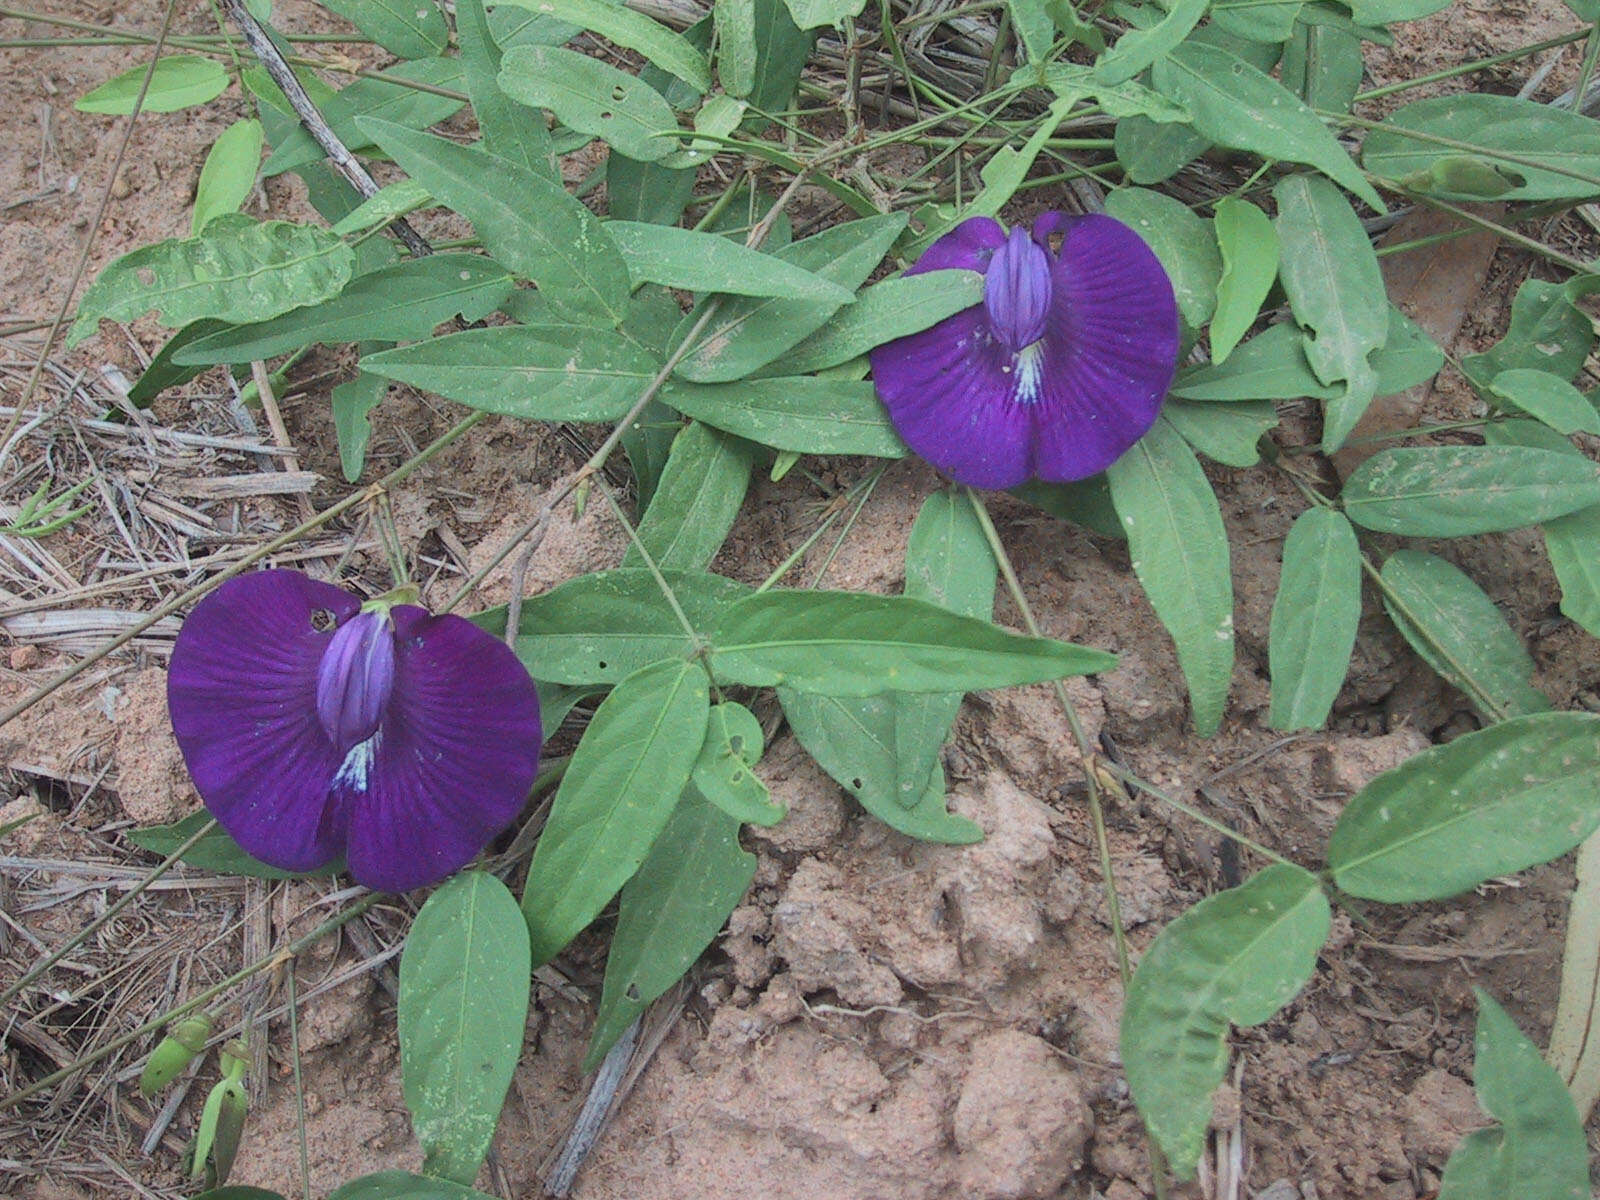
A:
172	1055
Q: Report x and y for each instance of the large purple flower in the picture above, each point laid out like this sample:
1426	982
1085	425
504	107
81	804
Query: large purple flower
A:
315	726
1061	368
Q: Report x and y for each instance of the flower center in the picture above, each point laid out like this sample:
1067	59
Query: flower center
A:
355	678
1017	291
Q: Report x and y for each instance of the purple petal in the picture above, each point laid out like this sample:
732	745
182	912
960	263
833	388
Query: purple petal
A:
453	761
951	394
355	678
1017	290
1110	350
968	247
242	695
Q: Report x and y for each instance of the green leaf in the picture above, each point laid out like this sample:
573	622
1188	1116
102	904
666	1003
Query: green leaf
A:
698	498
853	740
602	627
849	644
1536	133
708	262
750	332
1387	12
668	50
650	192
228	175
893	308
1314	619
1323	64
807	414
782	48
1453	491
374	99
1235	958
352	401
1225	433
237	269
814	14
1547	397
405	28
239	1192
527	222
177	81
1537	1152
1257	20
736	45
1182	241
1249	246
1074	81
1150	153
647	443
722	773
509	130
402	1185
1460	633
592	97
1548	333
1180	554
620	787
399	303
216	851
695	875
1086	502
538	372
1330	274
388	202
463	1001
1489	803
162	373
1272	366
1138	48
1236	105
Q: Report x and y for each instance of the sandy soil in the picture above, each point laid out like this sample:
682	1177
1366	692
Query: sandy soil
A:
883	1020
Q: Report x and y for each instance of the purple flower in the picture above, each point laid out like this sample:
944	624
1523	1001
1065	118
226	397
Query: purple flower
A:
316	726
1061	368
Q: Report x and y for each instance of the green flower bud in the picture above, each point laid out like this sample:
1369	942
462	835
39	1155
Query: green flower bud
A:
173	1054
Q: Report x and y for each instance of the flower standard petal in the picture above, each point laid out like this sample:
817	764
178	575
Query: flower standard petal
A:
241	691
1110	350
452	761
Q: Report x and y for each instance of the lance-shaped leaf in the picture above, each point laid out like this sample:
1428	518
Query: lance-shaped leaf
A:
403	1185
891	309
463	1002
805	414
176	81
696	502
1138	48
1489	803
849	644
229	173
510	131
670	911
1452	491
1330	274
237	269
1549	398
1314	618
1537	1151
707	262
1180	554
621	786
1460	633
736	45
602	627
668	50
1549	332
539	372
405	28
527	222
1249	246
1235	958
1225	433
592	97
352	403
816	14
399	303
215	851
1234	104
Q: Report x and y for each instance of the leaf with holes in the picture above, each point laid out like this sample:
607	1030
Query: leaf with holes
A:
722	774
237	269
592	97
1314	618
1180	554
463	1002
1460	633
619	790
1236	958
1489	803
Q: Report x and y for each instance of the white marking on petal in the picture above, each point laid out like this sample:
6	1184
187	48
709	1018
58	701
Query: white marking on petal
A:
357	764
1029	363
